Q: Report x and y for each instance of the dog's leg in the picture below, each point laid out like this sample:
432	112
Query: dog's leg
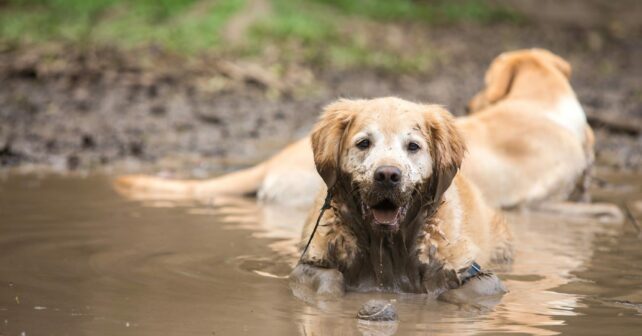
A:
243	182
481	288
581	191
446	284
323	281
438	277
608	211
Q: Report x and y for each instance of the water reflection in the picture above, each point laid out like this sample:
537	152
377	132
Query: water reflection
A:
78	259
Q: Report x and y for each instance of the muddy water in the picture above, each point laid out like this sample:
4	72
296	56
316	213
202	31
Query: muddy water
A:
77	259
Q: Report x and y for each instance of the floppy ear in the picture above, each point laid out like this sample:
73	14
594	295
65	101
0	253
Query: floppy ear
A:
559	63
327	136
499	78
447	149
562	65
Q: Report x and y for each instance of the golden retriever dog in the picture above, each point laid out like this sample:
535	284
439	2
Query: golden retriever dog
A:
528	138
529	145
528	127
400	217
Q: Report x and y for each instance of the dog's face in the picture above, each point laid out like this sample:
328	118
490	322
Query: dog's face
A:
393	152
500	76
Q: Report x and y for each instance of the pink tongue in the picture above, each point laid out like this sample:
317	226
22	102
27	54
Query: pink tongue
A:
385	216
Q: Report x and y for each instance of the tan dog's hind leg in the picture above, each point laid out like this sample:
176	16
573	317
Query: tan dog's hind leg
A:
294	165
606	211
239	183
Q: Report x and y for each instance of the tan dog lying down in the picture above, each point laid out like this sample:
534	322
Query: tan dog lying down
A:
401	217
527	137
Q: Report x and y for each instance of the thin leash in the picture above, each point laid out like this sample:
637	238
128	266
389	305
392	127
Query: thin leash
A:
326	206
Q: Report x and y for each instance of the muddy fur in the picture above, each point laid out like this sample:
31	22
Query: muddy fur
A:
444	226
401	261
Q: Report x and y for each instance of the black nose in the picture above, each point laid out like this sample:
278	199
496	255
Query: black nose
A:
388	176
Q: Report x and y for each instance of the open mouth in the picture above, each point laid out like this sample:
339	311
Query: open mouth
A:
385	214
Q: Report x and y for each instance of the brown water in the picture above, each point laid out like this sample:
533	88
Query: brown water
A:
77	259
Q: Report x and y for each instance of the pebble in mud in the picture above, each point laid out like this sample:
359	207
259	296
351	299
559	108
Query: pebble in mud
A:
377	310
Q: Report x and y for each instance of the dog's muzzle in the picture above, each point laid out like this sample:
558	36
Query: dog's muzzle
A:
384	205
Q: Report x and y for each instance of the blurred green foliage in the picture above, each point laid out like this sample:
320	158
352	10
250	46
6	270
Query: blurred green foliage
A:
180	25
424	11
189	26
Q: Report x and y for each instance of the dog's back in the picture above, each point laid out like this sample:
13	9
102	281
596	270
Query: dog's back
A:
527	134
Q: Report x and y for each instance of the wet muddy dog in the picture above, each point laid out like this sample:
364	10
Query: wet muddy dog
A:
399	216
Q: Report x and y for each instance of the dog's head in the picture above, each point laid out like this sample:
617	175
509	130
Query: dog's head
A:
500	77
388	154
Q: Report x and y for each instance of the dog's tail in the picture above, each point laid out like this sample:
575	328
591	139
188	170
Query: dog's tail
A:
239	183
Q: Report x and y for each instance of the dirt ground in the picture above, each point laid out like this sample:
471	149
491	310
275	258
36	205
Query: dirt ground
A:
65	108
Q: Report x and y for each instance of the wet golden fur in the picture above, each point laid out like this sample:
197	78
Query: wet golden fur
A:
528	136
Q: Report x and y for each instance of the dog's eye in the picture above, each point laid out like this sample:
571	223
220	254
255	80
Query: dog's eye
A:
363	144
413	147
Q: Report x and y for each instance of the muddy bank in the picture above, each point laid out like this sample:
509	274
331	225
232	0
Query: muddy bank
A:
63	108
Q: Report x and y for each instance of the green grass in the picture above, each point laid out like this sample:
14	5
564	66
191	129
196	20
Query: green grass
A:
444	11
179	25
313	31
191	26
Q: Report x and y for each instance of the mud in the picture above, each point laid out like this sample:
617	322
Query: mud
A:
65	108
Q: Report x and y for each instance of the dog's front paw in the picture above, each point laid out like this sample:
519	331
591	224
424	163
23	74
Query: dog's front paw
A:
323	281
330	282
438	278
483	286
